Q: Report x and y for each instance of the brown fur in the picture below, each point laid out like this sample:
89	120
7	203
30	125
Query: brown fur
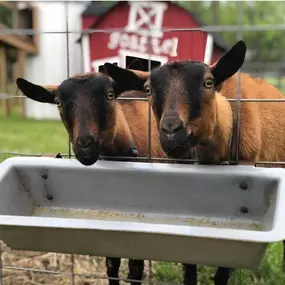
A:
141	74
50	87
136	113
262	125
215	127
130	121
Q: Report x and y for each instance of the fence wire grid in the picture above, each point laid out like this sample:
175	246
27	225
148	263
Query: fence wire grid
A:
77	269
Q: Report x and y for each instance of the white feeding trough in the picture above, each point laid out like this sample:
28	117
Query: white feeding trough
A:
208	215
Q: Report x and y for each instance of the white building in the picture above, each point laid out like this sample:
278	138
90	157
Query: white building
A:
50	66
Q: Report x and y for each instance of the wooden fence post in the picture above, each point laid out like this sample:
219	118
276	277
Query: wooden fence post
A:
3	80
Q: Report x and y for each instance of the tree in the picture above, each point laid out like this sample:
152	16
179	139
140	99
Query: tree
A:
6	16
265	45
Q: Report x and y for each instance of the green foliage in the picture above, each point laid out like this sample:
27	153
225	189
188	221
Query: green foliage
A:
264	45
6	16
168	272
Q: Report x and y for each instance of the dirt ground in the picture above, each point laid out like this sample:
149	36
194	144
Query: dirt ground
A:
60	263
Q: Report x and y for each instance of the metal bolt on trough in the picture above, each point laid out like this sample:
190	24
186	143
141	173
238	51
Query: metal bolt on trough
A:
128	210
243	186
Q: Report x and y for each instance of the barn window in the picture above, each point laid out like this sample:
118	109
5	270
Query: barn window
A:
139	63
101	67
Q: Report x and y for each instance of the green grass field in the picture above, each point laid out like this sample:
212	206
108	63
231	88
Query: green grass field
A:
31	136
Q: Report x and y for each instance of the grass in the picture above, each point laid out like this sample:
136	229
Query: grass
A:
32	136
269	272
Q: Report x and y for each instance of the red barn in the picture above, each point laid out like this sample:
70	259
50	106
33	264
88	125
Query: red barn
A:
135	18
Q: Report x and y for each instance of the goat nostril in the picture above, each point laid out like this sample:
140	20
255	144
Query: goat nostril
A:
170	128
165	130
85	141
176	127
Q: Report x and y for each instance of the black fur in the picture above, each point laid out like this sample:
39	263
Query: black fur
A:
35	92
125	79
89	96
191	76
229	64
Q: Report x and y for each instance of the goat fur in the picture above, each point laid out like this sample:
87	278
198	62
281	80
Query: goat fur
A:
132	120
262	126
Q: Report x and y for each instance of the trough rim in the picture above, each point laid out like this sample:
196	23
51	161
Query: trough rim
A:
276	234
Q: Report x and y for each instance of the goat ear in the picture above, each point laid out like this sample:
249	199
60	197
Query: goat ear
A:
104	71
230	63
125	79
36	92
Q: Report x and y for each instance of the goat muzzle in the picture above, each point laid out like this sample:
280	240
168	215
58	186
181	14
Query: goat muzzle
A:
87	149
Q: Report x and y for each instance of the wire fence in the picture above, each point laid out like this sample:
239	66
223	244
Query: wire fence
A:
77	269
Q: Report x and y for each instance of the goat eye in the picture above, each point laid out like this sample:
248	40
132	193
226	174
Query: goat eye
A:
147	90
110	96
209	83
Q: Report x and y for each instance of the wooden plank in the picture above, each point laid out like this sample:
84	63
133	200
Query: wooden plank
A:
18	71
8	4
23	38
36	28
3	80
21	64
15	18
17	43
14	87
15	74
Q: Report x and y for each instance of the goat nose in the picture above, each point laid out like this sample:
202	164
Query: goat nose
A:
171	126
85	141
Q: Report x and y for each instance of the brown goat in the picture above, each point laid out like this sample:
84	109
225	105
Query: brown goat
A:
97	123
189	100
203	117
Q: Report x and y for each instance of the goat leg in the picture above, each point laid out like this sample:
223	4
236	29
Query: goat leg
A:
136	269
113	265
222	276
189	274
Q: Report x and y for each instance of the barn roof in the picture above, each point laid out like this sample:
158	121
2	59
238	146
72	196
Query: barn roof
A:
99	9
